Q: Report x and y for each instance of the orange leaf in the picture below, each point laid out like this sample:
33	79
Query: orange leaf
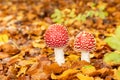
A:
22	70
64	74
83	77
3	55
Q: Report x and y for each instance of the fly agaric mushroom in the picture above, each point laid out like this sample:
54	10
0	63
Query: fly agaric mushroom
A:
57	37
85	42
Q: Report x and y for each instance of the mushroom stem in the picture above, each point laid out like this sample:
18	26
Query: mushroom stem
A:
59	56
85	55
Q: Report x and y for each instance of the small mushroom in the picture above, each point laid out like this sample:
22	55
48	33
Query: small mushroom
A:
85	42
56	36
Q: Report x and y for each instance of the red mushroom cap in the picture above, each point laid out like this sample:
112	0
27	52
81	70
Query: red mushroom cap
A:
84	42
56	36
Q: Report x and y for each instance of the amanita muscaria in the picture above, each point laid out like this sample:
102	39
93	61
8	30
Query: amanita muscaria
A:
56	36
85	43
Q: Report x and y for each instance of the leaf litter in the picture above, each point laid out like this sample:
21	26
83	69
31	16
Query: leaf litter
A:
25	56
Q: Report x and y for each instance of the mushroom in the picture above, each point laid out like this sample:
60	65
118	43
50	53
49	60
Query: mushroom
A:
56	36
85	42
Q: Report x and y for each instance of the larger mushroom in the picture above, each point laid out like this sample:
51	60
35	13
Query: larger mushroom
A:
85	42
56	36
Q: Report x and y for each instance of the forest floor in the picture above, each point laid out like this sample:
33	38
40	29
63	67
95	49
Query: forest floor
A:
25	56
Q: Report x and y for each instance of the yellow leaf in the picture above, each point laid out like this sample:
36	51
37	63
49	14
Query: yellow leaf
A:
117	74
27	62
19	56
98	78
38	45
88	69
64	74
73	57
3	38
119	68
22	70
83	77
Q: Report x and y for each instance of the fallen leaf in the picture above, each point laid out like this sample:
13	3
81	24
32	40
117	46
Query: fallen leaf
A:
9	48
16	58
103	72
3	38
1	66
55	68
22	70
84	77
24	77
27	62
98	78
117	74
3	55
33	69
88	69
64	74
12	61
73	57
11	71
38	44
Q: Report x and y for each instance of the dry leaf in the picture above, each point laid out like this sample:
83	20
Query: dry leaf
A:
117	74
31	16
83	77
64	74
13	60
16	58
11	71
27	62
22	70
55	68
24	77
73	57
3	77
3	38
1	66
33	69
9	48
24	55
98	78
38	44
88	69
3	55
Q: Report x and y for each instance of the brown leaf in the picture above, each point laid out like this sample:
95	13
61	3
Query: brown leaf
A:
1	66
13	60
102	72
3	55
65	74
11	72
79	64
23	77
37	69
33	69
16	58
55	68
9	48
